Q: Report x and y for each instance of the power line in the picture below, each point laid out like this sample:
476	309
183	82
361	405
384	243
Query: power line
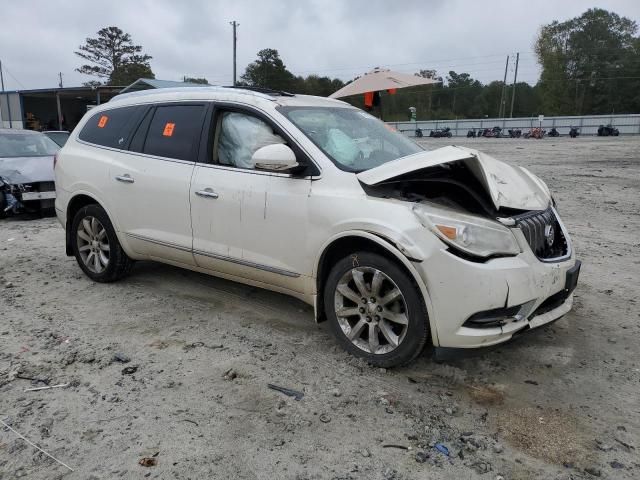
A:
12	76
422	62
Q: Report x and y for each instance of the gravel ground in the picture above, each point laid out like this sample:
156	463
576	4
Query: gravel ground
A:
561	402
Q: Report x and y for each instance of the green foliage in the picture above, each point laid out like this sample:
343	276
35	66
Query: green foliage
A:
113	56
588	64
201	81
269	71
129	72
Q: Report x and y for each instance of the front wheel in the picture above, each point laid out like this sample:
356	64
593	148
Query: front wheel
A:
96	247
375	310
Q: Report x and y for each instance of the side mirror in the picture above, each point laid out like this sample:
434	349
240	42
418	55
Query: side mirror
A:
276	158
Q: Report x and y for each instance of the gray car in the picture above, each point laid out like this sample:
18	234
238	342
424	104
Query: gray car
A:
58	136
26	171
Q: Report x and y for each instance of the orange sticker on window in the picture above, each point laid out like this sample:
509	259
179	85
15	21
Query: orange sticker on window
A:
168	129
103	121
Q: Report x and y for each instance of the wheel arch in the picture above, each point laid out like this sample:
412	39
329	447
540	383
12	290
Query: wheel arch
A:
77	202
344	243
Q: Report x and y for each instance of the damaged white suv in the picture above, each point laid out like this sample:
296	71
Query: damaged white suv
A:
395	246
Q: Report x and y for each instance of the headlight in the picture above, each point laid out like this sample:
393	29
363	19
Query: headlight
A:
473	235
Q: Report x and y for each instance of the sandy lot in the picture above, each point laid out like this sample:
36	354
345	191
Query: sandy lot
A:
561	402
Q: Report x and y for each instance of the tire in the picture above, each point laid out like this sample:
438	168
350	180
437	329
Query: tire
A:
3	205
409	327
96	247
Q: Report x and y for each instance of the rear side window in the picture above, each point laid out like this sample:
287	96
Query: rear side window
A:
110	128
174	131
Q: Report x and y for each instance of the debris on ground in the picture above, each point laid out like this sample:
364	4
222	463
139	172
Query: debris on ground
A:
442	449
230	374
393	445
287	391
129	370
148	461
35	446
35	389
121	357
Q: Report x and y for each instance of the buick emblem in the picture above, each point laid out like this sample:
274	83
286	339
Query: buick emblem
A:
549	235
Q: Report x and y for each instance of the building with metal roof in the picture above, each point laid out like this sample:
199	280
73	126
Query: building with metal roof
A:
62	108
150	83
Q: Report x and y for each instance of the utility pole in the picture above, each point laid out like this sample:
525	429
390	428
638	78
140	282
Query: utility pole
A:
7	96
504	84
60	77
513	90
234	24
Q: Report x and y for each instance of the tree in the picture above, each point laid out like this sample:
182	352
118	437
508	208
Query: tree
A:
269	71
199	80
129	72
113	56
317	85
588	63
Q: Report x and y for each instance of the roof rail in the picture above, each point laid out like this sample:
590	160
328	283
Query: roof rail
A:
267	91
211	88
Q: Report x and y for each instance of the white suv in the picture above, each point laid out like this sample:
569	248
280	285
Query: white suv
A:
393	245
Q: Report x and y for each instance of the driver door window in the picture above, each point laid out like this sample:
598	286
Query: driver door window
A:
238	136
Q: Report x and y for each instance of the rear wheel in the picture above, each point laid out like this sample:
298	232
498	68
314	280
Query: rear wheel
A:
96	246
375	310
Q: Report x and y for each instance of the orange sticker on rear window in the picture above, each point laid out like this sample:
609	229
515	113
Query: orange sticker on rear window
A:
103	121
168	129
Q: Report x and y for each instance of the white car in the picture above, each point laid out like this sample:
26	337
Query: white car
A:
395	246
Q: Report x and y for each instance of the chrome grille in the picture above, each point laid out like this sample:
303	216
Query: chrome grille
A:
536	226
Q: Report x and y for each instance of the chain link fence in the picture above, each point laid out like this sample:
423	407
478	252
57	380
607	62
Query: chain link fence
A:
588	124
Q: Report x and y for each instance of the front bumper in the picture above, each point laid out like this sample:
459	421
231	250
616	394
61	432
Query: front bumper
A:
460	289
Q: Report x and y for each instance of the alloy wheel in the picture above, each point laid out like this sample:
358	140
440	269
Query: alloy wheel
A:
93	244
371	310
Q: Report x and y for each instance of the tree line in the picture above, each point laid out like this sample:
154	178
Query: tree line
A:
589	65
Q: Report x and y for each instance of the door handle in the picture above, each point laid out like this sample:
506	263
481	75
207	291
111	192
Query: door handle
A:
207	193
126	178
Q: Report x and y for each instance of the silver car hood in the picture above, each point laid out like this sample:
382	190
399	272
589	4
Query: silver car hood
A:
508	185
15	170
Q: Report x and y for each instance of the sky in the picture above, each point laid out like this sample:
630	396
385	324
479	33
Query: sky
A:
336	38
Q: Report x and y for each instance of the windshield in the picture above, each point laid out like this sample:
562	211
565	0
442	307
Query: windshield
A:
353	139
26	145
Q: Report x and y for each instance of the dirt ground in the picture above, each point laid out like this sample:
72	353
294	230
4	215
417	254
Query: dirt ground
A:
561	402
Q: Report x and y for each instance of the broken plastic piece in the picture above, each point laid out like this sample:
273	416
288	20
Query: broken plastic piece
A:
442	449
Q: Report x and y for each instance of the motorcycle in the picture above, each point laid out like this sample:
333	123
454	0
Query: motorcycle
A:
495	132
554	132
441	132
535	133
608	130
515	133
471	133
419	133
574	132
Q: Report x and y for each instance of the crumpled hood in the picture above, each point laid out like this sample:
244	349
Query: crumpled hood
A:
508	185
17	170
